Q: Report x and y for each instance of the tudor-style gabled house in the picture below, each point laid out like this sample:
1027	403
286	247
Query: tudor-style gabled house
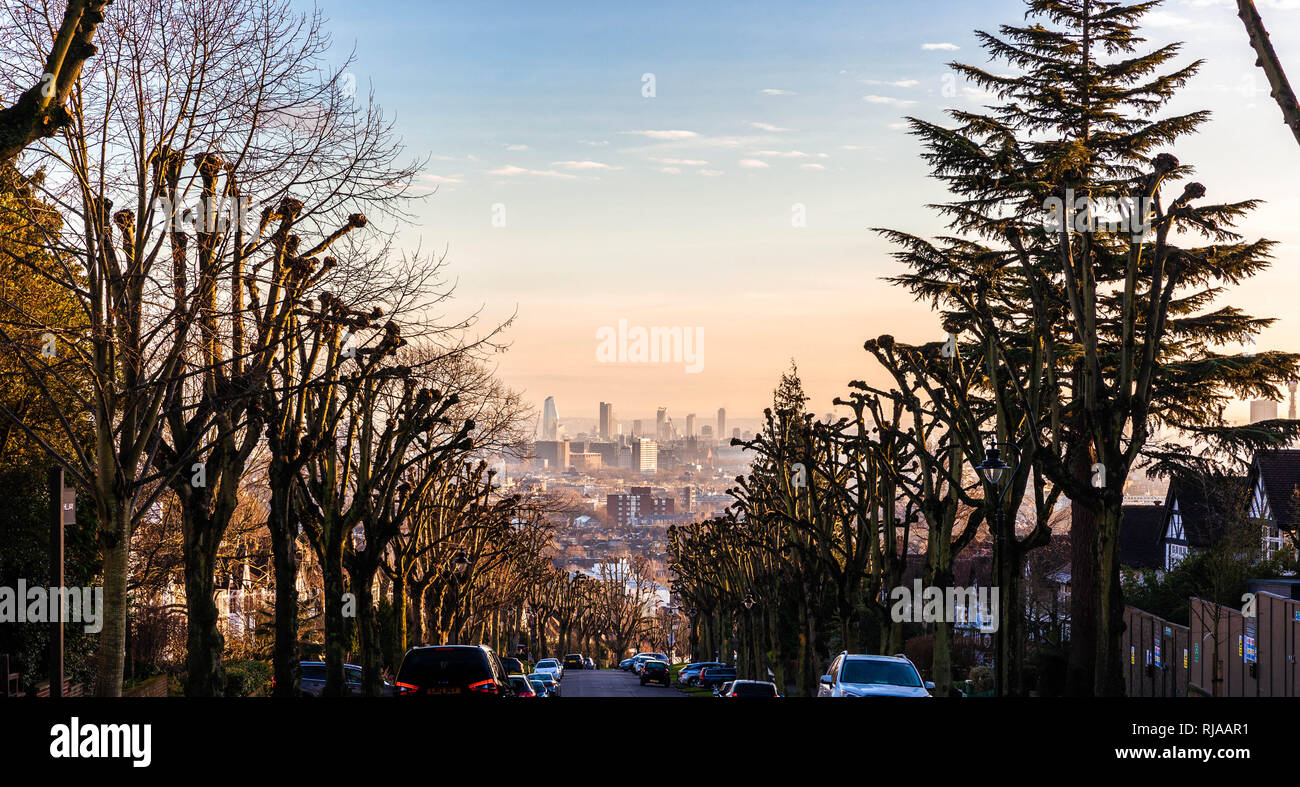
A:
1193	517
1274	480
1196	513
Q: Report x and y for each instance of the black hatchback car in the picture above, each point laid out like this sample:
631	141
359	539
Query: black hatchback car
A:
655	671
574	661
442	670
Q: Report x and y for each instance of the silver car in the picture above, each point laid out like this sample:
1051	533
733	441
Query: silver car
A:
863	675
551	666
639	660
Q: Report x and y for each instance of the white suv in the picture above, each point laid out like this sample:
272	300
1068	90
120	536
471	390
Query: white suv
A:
862	675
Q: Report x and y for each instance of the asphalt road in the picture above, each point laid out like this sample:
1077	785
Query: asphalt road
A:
610	683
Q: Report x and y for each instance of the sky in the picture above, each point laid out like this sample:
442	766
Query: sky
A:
717	167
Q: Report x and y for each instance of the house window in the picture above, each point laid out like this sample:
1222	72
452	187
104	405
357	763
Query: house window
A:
1174	554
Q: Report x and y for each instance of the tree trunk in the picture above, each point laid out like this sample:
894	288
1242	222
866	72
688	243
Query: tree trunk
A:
112	639
372	682
284	558
336	645
1083	592
401	621
1110	604
205	674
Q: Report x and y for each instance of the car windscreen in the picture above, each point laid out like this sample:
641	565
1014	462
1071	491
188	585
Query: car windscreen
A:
887	673
437	666
547	663
753	690
313	672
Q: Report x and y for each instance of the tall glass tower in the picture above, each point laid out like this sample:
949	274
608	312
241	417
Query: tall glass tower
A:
550	419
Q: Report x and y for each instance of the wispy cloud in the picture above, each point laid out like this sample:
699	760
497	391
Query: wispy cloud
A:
767	126
588	165
771	91
593	142
442	178
672	133
898	102
685	162
712	173
893	83
517	148
942	46
753	163
812	166
782	153
511	170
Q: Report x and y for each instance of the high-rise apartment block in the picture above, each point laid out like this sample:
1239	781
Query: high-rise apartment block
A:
645	455
607	429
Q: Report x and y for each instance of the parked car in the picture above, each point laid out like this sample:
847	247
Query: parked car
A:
540	689
589	662
551	666
523	687
865	675
312	682
548	680
749	688
626	664
690	674
712	677
453	669
641	658
655	671
513	666
721	691
575	661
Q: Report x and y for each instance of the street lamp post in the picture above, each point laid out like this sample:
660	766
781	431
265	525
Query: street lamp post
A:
998	479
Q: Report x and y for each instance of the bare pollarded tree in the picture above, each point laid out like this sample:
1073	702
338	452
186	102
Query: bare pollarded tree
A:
188	116
40	110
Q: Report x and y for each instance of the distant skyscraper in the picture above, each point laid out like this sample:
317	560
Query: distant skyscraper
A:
1262	410
661	424
706	431
722	421
636	429
1291	410
607	428
735	433
550	419
690	424
645	456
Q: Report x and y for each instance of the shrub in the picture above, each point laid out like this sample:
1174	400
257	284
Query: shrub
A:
247	678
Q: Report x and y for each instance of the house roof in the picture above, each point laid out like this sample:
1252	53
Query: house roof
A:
1205	506
1279	472
1141	532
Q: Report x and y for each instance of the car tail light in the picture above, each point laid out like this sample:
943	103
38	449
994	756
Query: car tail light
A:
406	688
488	686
